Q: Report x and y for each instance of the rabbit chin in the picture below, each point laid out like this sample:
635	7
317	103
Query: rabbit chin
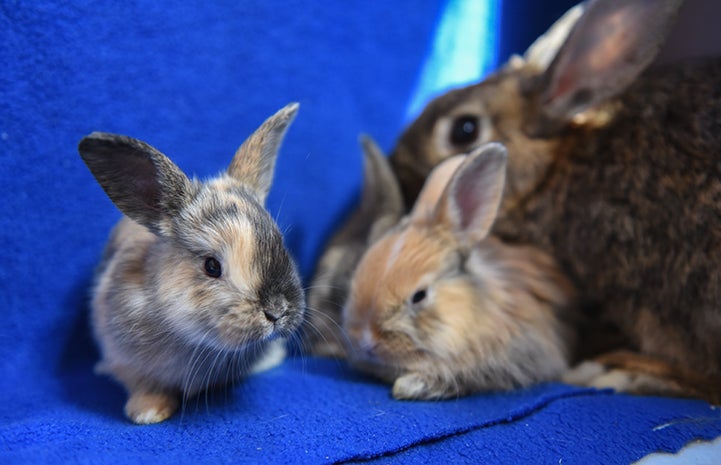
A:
227	334
236	337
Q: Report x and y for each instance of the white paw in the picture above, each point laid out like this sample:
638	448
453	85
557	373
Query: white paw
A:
145	408
584	373
274	355
596	375
150	416
410	386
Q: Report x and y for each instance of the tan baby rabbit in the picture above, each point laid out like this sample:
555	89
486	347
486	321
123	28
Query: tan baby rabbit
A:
380	208
440	309
196	287
615	170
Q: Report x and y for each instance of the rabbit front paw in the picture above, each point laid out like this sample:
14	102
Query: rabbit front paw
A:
416	386
145	408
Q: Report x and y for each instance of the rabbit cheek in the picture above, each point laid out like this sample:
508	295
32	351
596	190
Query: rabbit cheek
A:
529	158
450	331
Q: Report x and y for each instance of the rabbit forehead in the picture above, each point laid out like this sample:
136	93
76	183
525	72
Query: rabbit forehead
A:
400	263
224	220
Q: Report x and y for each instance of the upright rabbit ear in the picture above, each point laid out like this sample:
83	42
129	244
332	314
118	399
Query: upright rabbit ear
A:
609	46
381	203
428	199
470	202
254	162
545	48
142	182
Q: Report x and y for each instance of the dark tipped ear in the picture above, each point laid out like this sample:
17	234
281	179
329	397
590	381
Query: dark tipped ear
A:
381	201
254	162
469	204
608	47
142	182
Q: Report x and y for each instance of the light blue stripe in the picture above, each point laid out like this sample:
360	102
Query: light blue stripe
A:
464	49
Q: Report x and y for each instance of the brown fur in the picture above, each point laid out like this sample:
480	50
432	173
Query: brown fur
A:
626	194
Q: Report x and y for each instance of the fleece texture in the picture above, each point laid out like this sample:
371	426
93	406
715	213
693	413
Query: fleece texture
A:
194	79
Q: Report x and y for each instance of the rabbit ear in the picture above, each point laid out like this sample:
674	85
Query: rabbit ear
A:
434	186
381	203
609	46
544	49
142	182
254	162
470	202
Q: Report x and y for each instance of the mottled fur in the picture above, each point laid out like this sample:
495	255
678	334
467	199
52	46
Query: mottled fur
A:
619	179
166	328
490	316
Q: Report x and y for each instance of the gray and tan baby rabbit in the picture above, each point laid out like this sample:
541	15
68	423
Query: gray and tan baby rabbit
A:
440	309
196	287
380	208
615	170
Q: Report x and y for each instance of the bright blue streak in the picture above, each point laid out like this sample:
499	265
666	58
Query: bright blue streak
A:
465	49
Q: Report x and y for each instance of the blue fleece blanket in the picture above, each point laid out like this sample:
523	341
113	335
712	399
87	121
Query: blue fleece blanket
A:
194	79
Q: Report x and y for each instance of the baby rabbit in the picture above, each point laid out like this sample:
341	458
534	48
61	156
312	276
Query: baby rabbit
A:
195	287
381	206
615	170
440	309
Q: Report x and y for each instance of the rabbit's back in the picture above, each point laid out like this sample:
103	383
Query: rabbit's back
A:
632	210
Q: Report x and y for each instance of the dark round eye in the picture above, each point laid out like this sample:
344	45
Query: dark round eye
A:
464	130
212	267
419	296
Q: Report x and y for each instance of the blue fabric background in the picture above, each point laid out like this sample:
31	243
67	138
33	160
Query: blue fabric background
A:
194	79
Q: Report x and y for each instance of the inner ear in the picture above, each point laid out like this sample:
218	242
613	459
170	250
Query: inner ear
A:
470	203
608	48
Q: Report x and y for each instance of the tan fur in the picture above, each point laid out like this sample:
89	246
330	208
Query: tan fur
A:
493	317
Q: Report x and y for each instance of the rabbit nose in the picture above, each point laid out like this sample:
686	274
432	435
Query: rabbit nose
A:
367	342
275	310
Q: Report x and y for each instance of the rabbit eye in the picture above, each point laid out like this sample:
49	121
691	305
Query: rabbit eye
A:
464	130
212	267
419	296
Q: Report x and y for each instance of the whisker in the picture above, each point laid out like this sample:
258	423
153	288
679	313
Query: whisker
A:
197	368
324	329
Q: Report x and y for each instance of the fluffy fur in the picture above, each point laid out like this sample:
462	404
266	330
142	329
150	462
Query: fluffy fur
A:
614	169
166	328
440	310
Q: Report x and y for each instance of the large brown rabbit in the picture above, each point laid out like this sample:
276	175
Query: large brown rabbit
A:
615	169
